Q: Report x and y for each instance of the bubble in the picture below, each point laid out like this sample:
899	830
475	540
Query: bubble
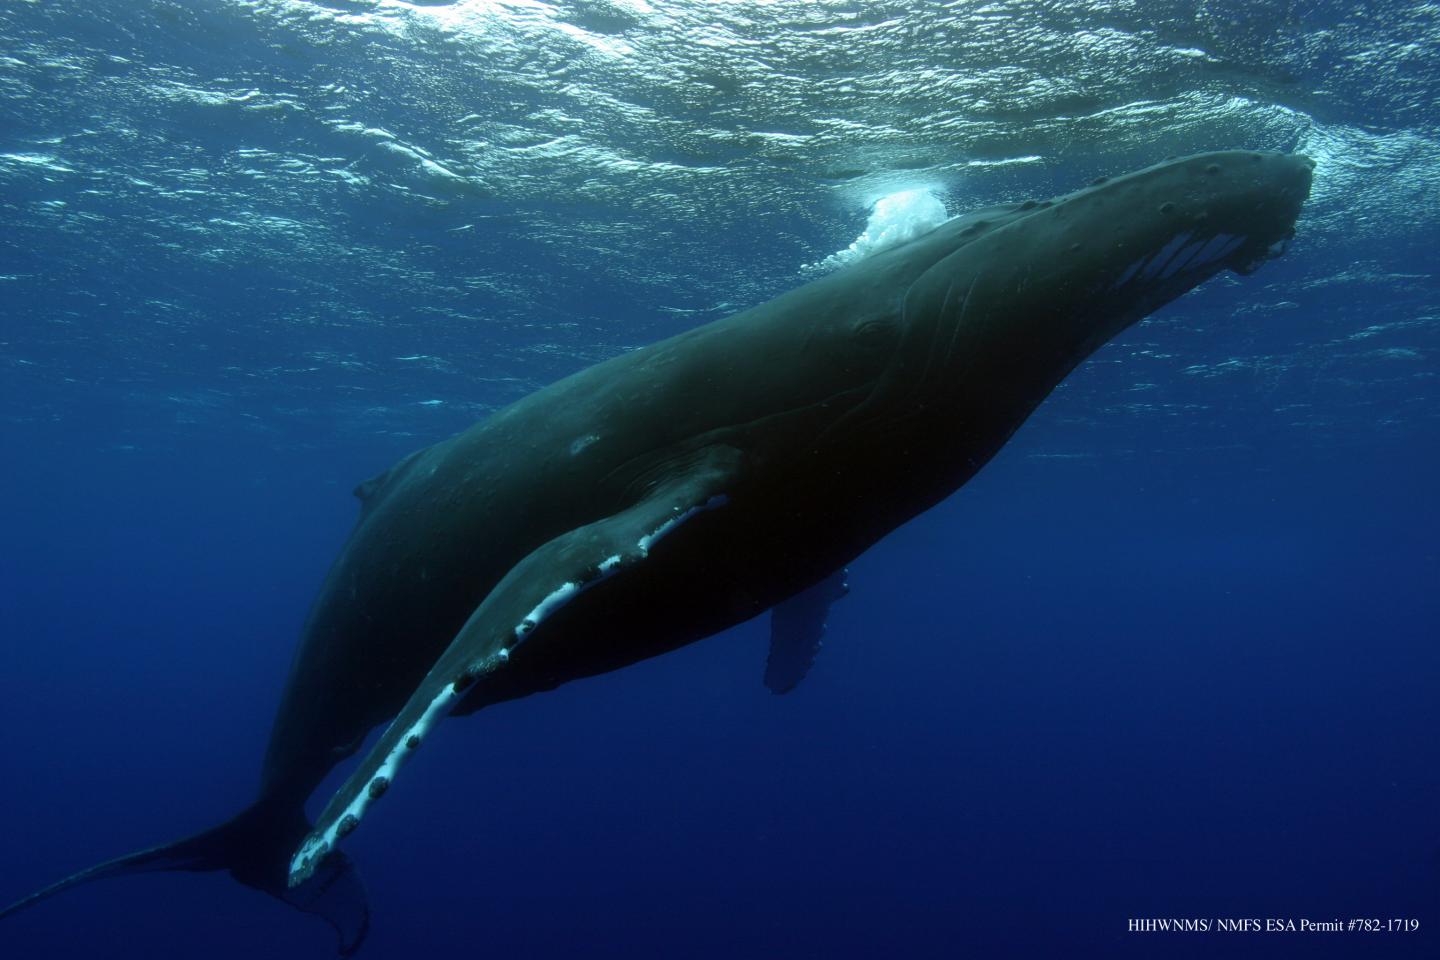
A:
894	220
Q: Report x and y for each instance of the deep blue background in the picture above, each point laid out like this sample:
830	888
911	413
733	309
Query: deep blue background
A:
1173	654
1065	698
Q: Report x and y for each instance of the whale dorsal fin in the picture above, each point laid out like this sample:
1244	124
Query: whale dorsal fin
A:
797	629
366	489
544	581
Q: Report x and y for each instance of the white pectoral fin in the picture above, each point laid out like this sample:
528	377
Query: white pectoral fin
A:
540	584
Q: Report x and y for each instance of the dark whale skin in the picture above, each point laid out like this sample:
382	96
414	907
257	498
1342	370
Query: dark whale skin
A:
823	419
672	492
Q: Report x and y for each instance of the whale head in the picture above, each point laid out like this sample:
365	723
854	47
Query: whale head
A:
1047	285
1153	235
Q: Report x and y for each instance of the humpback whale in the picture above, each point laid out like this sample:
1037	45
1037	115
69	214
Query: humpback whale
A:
669	493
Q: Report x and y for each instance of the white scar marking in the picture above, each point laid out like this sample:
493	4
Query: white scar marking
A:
606	569
580	443
660	532
556	599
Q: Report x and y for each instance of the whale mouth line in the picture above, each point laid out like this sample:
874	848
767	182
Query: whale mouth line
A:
1184	253
1271	251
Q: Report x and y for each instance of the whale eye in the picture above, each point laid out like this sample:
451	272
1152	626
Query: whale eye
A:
874	331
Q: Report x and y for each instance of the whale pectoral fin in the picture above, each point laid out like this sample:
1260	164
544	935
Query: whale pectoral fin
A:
541	583
797	629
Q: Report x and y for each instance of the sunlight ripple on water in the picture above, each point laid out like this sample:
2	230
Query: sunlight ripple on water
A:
370	181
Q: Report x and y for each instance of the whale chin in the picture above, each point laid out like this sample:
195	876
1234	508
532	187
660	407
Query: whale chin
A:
1254	260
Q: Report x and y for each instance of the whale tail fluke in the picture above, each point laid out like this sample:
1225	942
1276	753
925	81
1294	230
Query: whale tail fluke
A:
255	848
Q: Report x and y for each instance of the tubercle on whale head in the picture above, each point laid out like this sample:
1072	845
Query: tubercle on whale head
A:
1143	239
1077	270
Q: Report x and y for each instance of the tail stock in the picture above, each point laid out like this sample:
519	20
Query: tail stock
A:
255	848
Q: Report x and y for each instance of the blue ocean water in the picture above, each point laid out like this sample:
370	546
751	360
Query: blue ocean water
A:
1172	654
